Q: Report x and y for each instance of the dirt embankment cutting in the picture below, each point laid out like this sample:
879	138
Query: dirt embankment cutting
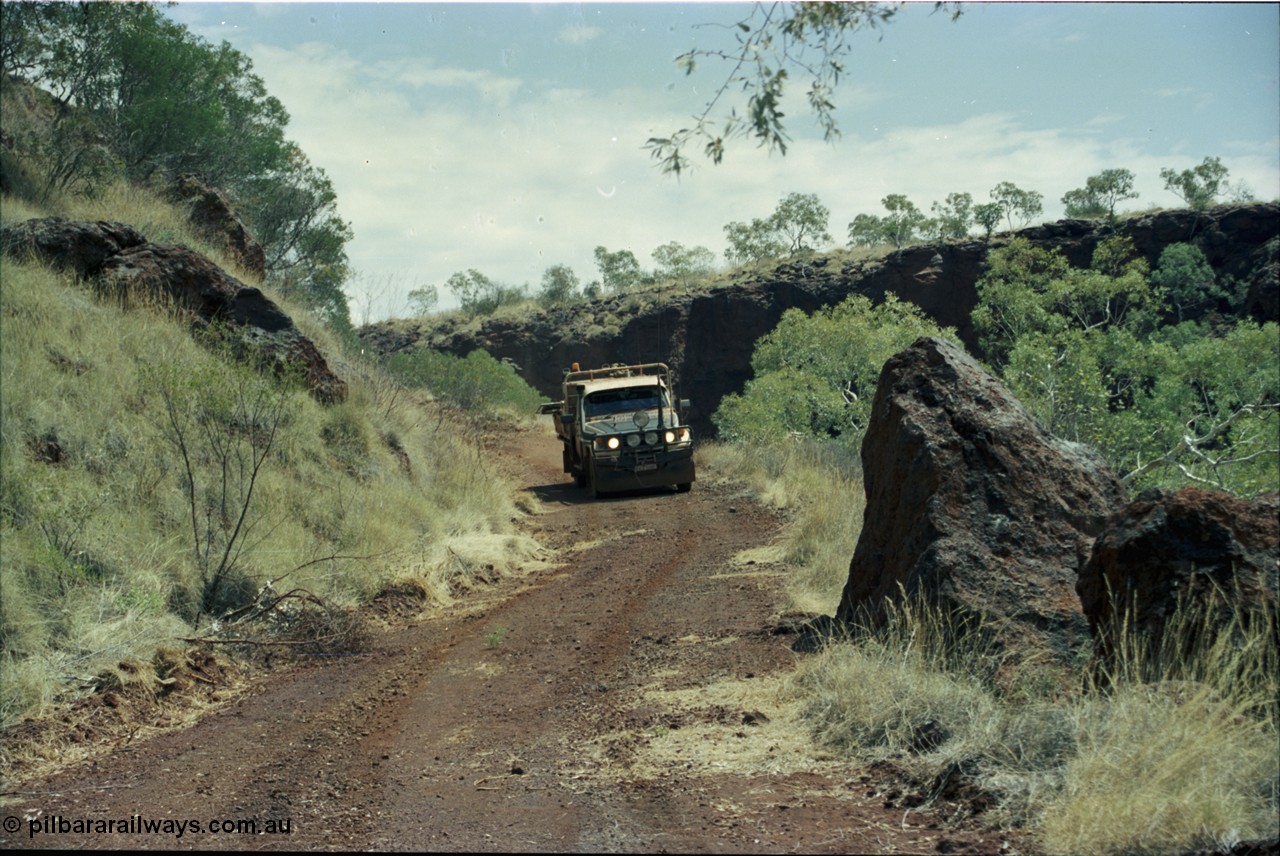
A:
628	696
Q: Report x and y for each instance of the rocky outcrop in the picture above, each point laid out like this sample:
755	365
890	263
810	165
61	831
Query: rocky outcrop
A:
708	338
211	212
972	505
1192	548
116	258
80	247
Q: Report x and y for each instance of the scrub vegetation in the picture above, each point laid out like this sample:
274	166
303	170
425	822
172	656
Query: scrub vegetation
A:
1165	753
1172	749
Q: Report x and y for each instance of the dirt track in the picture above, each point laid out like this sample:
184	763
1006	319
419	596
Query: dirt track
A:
620	701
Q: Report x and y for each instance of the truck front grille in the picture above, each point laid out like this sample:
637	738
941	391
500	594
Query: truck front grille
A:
645	461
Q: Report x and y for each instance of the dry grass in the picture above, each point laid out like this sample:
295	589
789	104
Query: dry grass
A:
1158	772
96	553
1178	743
707	739
135	699
1173	748
821	486
919	687
1130	765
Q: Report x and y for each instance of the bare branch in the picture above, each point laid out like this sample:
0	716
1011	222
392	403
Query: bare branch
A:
1192	445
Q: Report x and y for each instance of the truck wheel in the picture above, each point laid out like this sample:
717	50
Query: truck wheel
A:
685	487
579	477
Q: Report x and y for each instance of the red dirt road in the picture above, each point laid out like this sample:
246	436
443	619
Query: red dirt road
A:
623	700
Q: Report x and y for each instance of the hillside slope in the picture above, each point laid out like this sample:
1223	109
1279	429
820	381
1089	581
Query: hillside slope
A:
152	482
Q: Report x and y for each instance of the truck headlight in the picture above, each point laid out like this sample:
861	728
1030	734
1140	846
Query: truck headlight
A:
678	435
613	443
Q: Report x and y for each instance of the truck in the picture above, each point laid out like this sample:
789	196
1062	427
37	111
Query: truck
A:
621	429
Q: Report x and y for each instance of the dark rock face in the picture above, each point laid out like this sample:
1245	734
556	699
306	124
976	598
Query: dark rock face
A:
211	212
1185	545
118	259
708	338
971	504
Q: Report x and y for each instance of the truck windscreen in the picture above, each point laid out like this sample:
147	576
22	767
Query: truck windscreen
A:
612	401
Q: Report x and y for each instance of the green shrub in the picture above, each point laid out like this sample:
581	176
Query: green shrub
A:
477	382
815	375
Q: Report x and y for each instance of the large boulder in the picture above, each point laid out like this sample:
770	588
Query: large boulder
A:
79	247
1192	548
972	505
211	212
118	259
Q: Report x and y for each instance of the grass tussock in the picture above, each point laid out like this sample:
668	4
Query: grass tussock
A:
1178	742
1157	772
1165	755
119	534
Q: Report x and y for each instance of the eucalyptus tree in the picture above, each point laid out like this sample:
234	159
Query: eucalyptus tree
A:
676	261
798	223
1100	195
866	230
1026	205
988	215
166	102
904	221
619	270
1086	351
480	295
1199	186
559	286
954	215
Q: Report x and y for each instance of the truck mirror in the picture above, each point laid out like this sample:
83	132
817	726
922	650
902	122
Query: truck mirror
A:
567	419
684	404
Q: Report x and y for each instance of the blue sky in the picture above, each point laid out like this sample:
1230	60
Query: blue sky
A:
509	137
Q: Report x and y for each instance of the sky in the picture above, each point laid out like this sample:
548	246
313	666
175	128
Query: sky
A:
509	138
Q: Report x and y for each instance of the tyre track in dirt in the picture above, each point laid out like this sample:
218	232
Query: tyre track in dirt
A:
551	683
522	719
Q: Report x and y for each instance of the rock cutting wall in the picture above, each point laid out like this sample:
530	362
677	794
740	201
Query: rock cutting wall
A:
708	337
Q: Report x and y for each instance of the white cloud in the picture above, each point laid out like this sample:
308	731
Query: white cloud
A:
1198	98
424	75
579	34
441	169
